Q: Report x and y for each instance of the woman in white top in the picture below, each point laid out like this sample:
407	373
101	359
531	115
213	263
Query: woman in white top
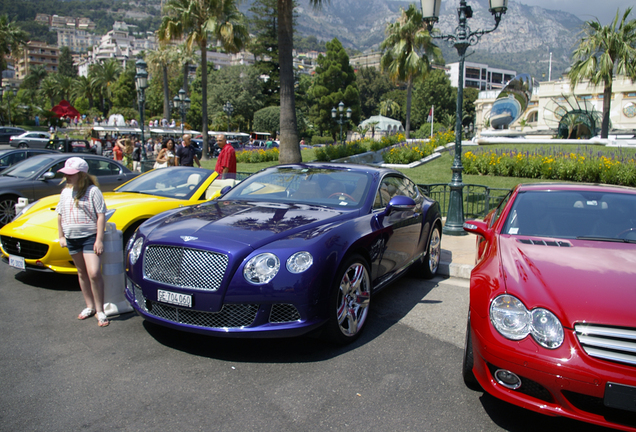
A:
81	224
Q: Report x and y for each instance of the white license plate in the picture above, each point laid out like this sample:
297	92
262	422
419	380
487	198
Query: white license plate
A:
17	262
174	298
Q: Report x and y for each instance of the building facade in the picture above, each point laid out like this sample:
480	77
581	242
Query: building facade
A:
551	100
36	54
480	76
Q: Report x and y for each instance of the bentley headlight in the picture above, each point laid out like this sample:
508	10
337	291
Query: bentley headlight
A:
262	268
299	262
135	250
546	328
510	317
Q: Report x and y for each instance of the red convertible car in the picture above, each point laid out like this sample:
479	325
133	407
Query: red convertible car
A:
552	316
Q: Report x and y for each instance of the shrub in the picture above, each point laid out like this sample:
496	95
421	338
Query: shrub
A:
257	156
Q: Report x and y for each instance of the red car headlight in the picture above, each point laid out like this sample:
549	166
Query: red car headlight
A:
514	321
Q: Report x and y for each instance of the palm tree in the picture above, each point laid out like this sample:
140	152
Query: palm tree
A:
289	142
103	76
186	57
389	106
64	84
49	89
602	52
11	38
158	61
36	74
82	88
404	39
197	19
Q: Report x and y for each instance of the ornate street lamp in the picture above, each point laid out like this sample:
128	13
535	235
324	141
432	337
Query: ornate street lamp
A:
141	79
228	109
15	93
182	104
462	39
340	121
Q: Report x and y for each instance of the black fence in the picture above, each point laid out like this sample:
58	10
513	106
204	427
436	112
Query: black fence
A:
478	199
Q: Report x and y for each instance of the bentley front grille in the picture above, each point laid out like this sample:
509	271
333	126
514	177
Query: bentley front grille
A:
616	344
24	248
184	267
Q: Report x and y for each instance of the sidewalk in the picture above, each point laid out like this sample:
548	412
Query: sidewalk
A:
458	256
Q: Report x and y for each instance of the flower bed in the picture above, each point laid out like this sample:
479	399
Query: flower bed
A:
405	154
338	151
586	165
257	156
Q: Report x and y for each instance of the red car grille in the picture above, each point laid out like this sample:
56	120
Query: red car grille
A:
617	344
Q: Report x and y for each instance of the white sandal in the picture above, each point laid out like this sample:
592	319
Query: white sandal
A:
102	320
86	313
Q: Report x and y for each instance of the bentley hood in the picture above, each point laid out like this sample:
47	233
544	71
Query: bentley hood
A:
578	280
246	223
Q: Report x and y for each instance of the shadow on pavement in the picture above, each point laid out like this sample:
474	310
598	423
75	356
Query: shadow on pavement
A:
50	281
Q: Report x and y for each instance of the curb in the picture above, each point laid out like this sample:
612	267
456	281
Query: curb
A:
454	270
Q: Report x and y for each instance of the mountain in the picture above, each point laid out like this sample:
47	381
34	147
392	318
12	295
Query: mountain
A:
523	41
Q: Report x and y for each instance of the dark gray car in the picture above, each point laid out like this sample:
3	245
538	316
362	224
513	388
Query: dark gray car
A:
37	177
7	132
14	156
30	139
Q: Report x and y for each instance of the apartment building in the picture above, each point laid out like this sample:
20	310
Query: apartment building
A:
36	54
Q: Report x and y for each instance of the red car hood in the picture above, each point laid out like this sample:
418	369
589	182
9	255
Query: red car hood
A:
590	281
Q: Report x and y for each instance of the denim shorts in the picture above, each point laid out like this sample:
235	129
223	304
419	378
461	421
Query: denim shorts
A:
82	244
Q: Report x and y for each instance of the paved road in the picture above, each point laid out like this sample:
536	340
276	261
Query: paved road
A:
61	374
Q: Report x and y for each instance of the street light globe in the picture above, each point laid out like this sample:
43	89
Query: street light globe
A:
498	6
430	10
348	112
333	113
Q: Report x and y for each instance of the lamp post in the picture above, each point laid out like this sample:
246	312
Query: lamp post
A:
182	104
15	92
228	109
141	79
340	121
462	39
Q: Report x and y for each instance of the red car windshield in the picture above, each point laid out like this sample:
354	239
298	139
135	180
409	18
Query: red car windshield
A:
573	214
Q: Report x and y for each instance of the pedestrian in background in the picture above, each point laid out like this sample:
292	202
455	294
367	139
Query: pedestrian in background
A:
126	147
186	155
226	162
80	222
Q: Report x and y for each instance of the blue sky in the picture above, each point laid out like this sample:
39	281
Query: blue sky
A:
587	10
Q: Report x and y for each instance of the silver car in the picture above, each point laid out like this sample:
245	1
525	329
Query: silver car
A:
30	139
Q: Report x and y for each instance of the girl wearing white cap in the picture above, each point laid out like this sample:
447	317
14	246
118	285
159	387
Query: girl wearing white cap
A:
81	224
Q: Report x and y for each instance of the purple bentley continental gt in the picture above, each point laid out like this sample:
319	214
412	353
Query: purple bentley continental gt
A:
291	249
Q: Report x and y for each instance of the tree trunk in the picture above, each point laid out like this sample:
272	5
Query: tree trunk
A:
409	92
203	45
166	93
289	142
607	101
186	69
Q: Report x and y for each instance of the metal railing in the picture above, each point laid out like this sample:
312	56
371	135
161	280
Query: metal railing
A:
478	199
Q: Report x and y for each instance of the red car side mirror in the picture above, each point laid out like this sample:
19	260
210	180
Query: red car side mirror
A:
479	228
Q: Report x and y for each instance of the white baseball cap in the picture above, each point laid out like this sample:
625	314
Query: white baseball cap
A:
73	166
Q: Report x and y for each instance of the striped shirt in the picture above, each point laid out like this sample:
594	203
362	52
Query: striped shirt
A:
80	221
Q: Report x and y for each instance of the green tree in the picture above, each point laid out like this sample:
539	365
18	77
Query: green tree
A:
82	89
239	85
64	84
468	105
49	89
35	76
267	120
124	90
158	63
434	90
196	20
603	52
264	46
11	38
401	57
65	62
389	108
334	82
372	85
103	76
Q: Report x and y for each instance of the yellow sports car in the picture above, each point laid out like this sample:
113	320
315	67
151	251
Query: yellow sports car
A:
30	241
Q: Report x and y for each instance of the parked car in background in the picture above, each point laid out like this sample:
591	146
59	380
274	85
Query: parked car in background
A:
7	132
30	241
30	140
290	249
71	145
13	156
37	177
551	323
